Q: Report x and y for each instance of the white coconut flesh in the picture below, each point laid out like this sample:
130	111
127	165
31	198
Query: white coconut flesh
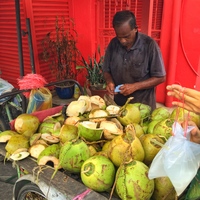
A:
36	149
89	124
75	108
97	100
98	115
111	127
50	138
87	102
112	109
19	156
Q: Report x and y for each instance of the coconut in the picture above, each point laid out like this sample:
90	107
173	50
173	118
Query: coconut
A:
36	149
138	130
89	131
163	189
164	128
132	181
34	138
50	154
151	126
73	155
110	129
112	109
145	111
129	114
16	142
50	139
19	156
160	114
6	135
151	144
26	124
72	120
182	114
87	101
49	126
98	173
125	147
98	115
97	102
76	108
68	133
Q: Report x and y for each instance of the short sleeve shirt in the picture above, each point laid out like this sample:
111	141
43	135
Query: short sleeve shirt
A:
142	61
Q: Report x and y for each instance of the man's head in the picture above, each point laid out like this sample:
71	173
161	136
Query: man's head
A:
124	23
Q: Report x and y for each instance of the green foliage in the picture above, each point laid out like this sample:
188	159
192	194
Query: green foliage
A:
94	70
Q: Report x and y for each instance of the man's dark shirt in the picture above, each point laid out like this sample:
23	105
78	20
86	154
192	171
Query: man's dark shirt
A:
142	61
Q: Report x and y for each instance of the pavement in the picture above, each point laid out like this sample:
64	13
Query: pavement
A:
8	176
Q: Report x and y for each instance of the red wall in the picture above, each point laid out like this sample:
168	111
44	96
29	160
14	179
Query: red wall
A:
180	45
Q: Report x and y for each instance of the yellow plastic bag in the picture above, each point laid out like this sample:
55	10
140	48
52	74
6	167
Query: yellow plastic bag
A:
40	99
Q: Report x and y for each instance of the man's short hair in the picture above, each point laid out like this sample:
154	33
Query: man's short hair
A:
124	16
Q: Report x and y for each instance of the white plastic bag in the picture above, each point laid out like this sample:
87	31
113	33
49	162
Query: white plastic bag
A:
178	159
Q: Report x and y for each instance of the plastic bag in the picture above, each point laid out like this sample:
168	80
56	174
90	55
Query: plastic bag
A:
40	99
178	159
5	86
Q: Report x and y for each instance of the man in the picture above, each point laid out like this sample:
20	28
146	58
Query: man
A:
134	61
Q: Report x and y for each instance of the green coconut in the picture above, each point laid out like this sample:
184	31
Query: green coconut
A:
68	132
160	114
49	126
164	128
89	131
163	189
132	181
129	114
151	126
98	173
16	142
125	147
50	154
145	111
138	130
181	114
152	144
6	135
26	124
73	155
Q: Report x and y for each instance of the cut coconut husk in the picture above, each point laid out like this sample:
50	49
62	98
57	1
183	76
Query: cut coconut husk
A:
89	131
72	120
19	156
41	141
98	115
87	101
34	138
151	126
6	135
53	117
36	149
49	127
26	124
110	129
97	102
112	109
68	133
139	132
76	108
16	142
50	154
50	139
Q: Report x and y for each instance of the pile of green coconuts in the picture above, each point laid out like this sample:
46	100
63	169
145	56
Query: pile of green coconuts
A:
110	147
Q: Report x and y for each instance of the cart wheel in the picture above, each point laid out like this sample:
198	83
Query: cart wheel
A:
3	125
30	191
